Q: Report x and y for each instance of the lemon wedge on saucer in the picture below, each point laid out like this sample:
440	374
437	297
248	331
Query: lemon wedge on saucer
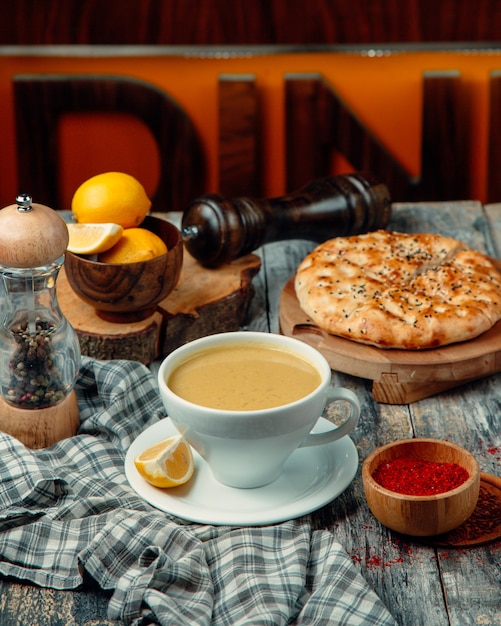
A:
168	463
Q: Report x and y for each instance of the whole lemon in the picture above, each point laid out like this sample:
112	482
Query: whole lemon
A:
111	197
135	244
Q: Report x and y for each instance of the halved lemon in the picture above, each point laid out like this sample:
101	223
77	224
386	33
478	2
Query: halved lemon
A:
93	238
168	463
135	245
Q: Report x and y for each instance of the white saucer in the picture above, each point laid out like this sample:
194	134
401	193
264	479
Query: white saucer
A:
312	477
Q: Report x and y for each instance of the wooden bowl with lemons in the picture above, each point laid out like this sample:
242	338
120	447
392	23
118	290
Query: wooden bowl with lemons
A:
119	259
128	292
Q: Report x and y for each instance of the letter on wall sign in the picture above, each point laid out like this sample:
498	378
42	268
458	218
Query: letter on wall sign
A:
41	100
319	123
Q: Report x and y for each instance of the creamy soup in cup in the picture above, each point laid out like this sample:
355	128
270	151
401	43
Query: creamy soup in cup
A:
246	400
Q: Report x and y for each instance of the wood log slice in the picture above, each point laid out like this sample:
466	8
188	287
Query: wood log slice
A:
205	301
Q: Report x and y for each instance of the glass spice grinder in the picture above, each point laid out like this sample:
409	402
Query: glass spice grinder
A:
39	349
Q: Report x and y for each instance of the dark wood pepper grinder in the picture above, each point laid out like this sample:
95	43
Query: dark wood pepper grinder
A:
217	230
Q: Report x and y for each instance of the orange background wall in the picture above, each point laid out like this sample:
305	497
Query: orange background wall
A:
384	91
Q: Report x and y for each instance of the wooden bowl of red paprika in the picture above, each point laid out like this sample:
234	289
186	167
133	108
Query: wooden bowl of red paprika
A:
421	487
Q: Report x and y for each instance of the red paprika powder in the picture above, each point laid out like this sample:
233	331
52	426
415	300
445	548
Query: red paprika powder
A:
418	477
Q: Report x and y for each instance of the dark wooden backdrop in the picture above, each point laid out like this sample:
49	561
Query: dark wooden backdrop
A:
317	124
250	22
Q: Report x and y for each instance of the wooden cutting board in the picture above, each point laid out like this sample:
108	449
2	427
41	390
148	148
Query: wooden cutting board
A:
399	376
205	301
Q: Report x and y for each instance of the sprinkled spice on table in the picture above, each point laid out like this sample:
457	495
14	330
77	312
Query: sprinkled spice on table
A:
418	477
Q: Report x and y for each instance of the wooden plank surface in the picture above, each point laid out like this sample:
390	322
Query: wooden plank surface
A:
419	583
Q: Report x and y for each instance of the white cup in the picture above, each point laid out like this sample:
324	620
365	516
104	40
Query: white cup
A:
248	449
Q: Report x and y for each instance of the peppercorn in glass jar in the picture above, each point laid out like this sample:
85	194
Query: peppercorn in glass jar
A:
39	349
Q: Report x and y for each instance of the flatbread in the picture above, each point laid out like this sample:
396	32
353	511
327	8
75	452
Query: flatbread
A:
398	290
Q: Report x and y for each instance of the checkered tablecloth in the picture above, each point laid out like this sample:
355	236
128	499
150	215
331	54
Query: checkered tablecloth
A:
68	510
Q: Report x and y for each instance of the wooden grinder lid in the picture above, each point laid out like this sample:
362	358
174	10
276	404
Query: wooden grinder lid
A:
31	235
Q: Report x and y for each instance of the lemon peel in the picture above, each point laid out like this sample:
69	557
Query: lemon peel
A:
111	197
135	245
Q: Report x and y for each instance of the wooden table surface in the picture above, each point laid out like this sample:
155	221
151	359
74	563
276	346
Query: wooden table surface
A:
419	583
